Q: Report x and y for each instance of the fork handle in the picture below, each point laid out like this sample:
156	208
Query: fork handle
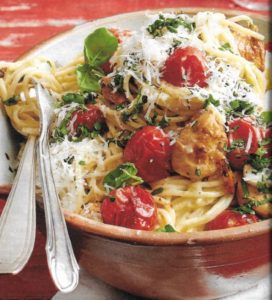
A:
60	256
18	219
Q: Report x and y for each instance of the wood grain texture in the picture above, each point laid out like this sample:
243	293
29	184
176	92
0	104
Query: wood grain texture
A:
25	24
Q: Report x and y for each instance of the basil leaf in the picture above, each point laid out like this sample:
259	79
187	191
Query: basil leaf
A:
122	176
99	46
88	78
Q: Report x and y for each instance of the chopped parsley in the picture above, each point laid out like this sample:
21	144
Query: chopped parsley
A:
197	172
211	100
258	161
11	101
80	98
237	144
248	207
166	228
226	47
134	110
69	160
162	25
122	139
157	191
154	122
82	162
239	108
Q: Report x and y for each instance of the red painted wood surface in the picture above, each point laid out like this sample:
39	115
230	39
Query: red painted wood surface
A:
24	24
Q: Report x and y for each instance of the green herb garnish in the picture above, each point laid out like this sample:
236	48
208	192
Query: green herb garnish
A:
123	175
211	100
11	101
157	191
162	25
238	108
248	207
167	228
226	47
197	172
99	46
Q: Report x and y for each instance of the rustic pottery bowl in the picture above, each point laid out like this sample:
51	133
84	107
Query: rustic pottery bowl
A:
203	265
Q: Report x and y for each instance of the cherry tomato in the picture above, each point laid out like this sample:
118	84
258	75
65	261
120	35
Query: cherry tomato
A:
150	150
86	118
245	131
229	218
185	67
131	207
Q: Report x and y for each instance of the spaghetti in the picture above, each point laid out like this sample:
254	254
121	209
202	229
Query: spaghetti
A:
136	93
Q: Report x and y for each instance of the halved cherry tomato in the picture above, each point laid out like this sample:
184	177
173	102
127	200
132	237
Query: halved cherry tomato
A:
150	150
86	118
131	207
185	67
230	218
245	131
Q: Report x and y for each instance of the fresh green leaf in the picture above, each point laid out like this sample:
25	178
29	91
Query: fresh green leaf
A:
211	100
88	78
11	101
123	175
99	46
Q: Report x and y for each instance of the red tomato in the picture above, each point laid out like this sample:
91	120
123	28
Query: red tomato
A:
185	67
150	150
86	118
107	67
130	207
241	129
229	218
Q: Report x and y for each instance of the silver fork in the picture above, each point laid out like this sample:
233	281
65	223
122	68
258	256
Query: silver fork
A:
18	219
60	256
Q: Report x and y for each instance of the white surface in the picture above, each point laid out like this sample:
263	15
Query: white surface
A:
92	288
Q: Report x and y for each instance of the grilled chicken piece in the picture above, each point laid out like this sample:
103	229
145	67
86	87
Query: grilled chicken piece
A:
251	49
199	150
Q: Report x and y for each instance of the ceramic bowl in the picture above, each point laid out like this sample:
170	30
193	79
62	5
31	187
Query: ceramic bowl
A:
203	265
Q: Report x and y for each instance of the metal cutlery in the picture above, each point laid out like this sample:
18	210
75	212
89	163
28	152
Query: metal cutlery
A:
60	256
18	219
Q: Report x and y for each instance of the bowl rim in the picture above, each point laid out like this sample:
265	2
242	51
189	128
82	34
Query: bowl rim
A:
123	234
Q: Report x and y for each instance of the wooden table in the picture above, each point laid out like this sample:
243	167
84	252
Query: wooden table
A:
24	24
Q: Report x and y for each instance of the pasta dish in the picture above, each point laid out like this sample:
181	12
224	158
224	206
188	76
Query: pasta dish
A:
160	129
